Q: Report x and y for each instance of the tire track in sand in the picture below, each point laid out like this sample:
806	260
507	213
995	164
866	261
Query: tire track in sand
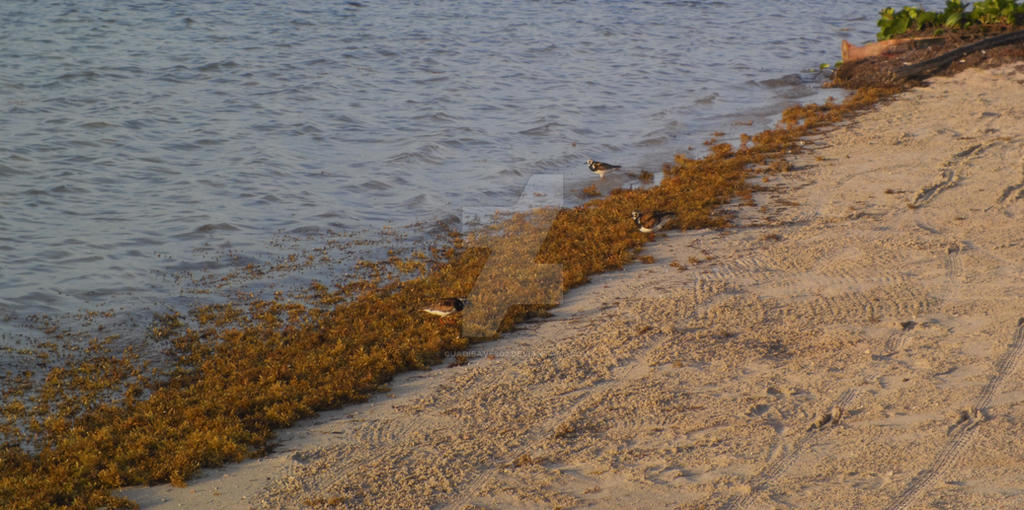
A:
1014	190
895	342
770	472
964	429
948	177
954	267
570	419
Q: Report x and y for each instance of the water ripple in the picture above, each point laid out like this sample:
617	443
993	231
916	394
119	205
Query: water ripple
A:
154	134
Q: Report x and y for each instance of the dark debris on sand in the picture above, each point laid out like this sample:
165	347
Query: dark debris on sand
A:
882	70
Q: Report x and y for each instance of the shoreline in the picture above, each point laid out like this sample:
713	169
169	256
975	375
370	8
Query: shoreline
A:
242	373
700	379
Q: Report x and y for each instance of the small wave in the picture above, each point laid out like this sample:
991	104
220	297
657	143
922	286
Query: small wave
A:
209	141
6	171
321	61
542	49
215	227
137	123
429	153
175	74
144	241
217	66
211	183
122	69
78	158
789	80
436	117
81	75
158	169
375	185
83	143
653	141
485	107
22	110
463	143
53	254
37	298
444	224
306	230
433	79
205	265
93	293
305	129
796	92
415	201
180	146
66	188
79	260
345	119
399	180
558	163
510	171
96	125
542	130
707	99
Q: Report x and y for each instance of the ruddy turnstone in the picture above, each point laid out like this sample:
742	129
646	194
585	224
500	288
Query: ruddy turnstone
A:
652	221
600	168
445	307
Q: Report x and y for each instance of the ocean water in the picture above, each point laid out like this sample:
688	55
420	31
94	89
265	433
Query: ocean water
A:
143	141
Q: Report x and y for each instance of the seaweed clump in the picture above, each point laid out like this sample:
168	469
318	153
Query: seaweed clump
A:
243	369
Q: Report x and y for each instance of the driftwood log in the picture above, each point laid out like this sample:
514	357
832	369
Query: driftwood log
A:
929	66
853	53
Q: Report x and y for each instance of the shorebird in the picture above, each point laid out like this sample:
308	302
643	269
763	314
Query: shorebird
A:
652	221
600	168
445	307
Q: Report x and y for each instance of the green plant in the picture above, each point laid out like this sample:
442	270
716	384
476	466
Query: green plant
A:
895	22
953	16
987	12
990	12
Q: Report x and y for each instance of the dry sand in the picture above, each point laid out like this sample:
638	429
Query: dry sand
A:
853	342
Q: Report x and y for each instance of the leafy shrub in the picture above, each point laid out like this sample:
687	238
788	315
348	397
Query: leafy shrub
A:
990	12
987	12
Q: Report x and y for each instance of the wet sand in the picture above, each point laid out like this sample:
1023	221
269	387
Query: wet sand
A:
854	341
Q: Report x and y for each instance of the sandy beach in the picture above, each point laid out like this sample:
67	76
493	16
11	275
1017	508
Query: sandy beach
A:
854	341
